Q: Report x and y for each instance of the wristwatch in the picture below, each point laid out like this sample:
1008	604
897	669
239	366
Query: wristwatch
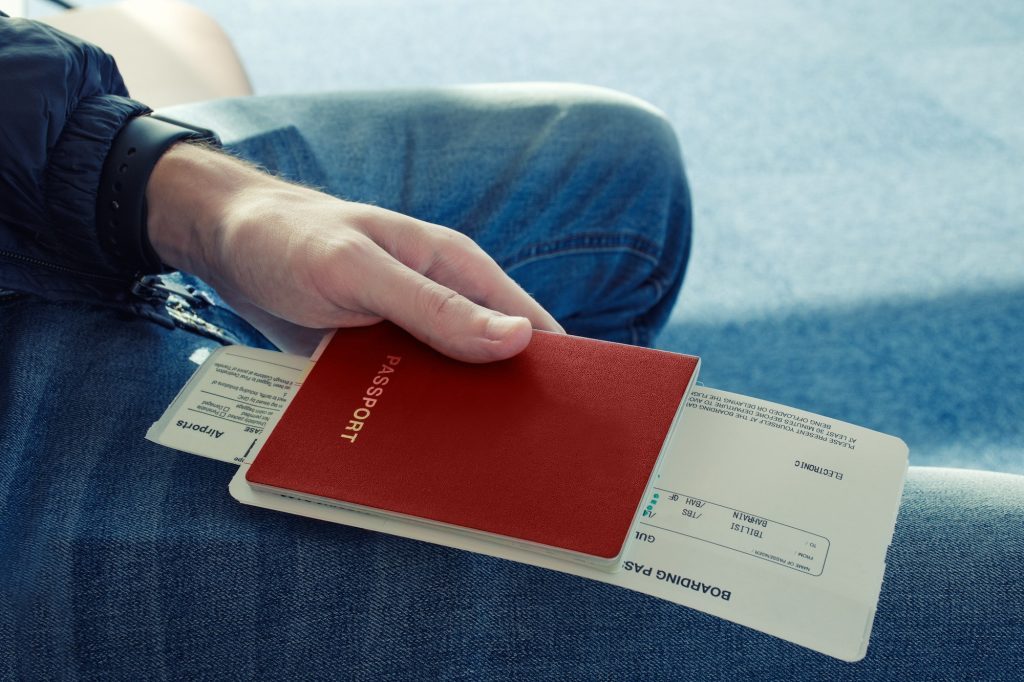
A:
121	198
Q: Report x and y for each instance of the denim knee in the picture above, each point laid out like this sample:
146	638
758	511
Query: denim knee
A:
613	263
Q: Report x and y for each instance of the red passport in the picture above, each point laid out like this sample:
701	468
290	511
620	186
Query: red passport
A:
553	449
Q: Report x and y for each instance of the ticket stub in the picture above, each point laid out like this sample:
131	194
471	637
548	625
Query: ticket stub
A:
765	515
231	403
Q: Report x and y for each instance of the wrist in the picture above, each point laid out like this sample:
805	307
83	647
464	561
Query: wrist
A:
121	209
192	195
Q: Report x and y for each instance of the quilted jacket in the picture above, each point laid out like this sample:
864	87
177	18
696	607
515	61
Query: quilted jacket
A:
62	102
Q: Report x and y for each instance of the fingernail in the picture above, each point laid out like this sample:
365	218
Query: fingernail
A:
500	326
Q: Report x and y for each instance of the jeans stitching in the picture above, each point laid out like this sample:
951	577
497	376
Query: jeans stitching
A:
585	244
580	251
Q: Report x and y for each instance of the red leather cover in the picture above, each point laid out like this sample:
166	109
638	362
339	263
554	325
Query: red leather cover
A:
555	446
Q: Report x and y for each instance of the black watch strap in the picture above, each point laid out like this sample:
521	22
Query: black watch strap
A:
121	199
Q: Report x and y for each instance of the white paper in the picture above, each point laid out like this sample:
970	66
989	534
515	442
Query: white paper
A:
231	404
764	515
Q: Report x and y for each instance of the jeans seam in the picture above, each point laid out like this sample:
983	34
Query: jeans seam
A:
640	333
586	244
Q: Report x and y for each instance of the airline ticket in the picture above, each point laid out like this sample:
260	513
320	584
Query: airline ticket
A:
765	515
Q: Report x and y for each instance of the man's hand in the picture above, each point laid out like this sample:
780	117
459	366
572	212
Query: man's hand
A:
296	262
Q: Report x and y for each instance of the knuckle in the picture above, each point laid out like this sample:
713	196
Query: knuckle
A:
459	253
437	301
453	240
333	265
466	243
346	248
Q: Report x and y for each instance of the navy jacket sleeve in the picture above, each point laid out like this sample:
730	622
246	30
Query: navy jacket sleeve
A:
62	102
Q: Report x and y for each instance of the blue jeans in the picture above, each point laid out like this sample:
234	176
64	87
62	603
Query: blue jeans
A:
120	559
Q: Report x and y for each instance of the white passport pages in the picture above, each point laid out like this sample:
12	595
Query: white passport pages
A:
767	516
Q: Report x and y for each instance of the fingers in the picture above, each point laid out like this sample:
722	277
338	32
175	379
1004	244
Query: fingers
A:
467	268
457	262
445	319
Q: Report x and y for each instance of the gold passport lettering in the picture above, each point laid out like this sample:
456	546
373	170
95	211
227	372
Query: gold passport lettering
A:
370	397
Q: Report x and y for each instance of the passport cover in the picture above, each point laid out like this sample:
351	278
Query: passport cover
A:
554	448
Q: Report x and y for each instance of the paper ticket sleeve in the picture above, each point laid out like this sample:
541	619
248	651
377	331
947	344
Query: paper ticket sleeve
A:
764	515
231	403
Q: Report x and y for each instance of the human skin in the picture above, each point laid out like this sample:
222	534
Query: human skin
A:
296	262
